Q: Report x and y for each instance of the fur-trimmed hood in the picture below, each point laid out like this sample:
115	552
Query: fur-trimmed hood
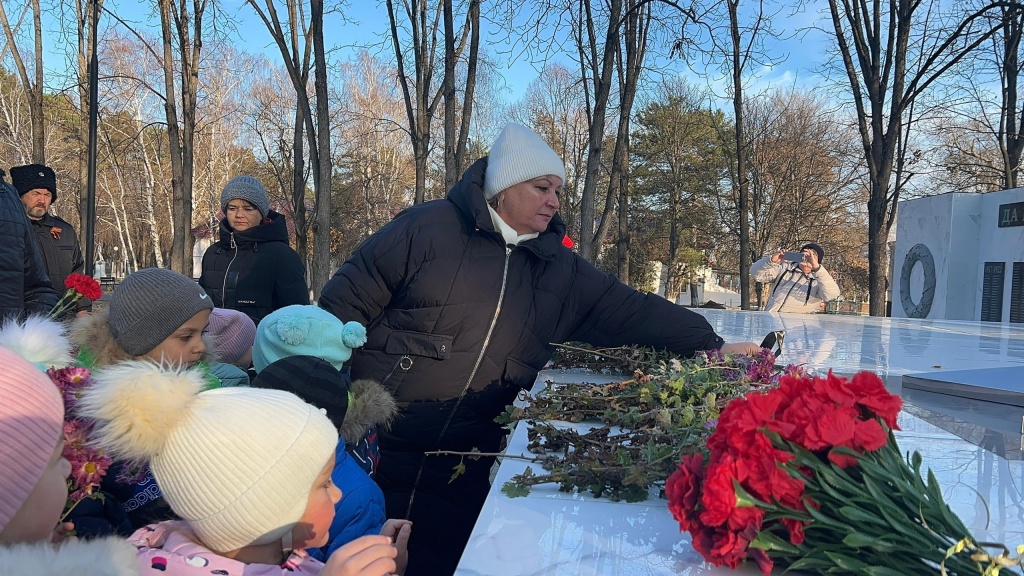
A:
370	405
39	339
100	557
91	335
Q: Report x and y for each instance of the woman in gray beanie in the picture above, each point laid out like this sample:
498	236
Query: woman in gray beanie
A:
462	298
252	268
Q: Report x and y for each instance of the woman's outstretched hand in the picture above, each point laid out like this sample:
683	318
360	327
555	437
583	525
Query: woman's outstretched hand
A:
748	348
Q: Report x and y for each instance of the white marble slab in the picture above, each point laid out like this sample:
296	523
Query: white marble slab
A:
555	533
889	346
1003	384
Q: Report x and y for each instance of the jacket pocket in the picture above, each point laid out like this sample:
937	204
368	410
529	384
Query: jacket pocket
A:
407	342
519	374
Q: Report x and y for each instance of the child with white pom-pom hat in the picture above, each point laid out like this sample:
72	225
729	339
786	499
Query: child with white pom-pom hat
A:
248	470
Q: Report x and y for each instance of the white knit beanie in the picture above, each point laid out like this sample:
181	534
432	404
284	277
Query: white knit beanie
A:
237	464
518	155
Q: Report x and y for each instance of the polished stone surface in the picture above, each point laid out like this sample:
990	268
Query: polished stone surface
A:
890	346
1002	385
973	447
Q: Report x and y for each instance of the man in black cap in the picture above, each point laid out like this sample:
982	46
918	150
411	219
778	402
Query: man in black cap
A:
37	185
24	286
796	285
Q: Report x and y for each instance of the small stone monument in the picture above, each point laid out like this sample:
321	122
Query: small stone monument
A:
960	257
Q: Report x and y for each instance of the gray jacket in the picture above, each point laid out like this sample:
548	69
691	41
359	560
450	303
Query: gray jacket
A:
791	289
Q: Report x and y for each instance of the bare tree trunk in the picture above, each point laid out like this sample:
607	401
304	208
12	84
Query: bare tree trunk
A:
36	94
473	23
418	117
601	71
873	39
623	242
298	71
1010	137
149	187
638	20
33	90
299	190
178	200
741	164
84	14
322	227
448	88
425	97
190	45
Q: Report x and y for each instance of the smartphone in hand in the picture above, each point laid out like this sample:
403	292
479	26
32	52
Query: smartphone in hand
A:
793	256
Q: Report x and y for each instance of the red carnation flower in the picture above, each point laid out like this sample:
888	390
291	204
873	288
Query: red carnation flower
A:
871	394
84	285
719	496
682	489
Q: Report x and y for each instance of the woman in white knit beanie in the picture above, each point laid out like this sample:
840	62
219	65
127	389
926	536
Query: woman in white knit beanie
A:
462	299
248	470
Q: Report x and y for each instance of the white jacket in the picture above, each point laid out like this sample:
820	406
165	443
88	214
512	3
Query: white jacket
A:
790	289
100	557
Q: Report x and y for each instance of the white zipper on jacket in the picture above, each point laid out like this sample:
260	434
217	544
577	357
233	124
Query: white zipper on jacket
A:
224	285
472	374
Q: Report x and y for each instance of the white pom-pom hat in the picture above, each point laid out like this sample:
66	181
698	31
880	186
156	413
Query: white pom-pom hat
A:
518	155
40	340
305	330
237	464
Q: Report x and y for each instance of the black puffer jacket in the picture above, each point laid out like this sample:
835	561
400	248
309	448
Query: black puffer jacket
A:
61	252
24	286
457	324
254	271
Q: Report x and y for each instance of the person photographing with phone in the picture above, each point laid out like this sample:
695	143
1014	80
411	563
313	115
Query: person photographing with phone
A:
799	283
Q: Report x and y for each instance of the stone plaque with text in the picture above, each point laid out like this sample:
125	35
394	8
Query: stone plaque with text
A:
1017	293
1011	214
992	292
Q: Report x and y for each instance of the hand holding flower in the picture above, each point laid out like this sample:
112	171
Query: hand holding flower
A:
78	286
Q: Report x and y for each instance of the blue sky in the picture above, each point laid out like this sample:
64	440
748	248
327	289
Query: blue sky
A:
367	21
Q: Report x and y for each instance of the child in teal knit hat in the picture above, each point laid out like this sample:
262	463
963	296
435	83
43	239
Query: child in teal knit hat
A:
300	330
305	331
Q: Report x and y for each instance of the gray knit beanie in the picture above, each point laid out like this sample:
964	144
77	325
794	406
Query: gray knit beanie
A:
517	155
150	304
246	188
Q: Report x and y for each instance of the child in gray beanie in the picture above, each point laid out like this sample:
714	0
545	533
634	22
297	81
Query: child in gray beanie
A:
154	314
159	315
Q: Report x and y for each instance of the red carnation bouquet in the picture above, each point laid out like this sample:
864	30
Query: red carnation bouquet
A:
78	286
809	476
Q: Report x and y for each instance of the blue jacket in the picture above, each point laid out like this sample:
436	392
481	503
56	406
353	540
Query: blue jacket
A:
24	285
229	374
361	509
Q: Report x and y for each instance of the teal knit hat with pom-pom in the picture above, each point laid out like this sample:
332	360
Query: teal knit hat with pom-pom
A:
305	331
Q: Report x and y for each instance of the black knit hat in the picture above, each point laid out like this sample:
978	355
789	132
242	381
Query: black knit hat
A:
32	176
313	379
817	248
